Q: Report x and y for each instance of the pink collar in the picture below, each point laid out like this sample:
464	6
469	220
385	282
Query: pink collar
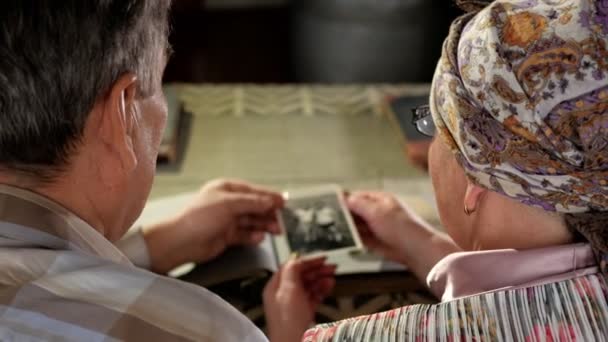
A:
469	273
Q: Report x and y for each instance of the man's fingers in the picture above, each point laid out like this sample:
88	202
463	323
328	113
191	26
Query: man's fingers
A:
235	185
249	204
247	237
241	187
266	223
255	222
275	228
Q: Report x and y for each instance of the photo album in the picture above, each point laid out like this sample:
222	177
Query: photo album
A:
315	222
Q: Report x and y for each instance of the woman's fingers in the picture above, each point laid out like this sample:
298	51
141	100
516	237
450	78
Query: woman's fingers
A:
321	272
312	276
287	275
307	265
323	286
321	289
310	271
319	282
364	204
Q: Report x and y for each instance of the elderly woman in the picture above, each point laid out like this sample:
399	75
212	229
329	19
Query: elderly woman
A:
519	165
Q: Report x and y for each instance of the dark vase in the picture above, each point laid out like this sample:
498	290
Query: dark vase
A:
345	41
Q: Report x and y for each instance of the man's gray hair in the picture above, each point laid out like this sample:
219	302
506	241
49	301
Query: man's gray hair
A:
57	58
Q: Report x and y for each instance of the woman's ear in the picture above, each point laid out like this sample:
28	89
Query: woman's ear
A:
472	196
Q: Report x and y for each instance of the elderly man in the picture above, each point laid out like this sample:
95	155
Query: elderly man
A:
81	116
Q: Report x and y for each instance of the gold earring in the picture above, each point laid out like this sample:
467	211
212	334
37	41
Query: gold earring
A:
468	211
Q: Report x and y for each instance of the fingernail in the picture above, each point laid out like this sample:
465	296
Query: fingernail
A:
294	256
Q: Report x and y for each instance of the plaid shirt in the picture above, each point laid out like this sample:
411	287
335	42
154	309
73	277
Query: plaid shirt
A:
61	280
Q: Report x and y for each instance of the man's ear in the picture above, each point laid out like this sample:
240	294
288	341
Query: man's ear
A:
117	127
473	195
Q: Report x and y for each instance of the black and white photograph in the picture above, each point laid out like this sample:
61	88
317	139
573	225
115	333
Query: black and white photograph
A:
316	221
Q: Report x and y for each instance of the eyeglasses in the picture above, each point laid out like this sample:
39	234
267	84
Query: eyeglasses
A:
423	120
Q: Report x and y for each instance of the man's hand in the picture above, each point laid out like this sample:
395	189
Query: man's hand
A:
292	295
223	214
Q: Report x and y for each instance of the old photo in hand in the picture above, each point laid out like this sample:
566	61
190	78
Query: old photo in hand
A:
316	222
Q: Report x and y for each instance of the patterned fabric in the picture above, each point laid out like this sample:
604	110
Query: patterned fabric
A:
61	280
571	310
521	94
473	5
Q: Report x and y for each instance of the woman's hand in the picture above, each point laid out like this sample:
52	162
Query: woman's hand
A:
223	214
292	295
396	232
384	224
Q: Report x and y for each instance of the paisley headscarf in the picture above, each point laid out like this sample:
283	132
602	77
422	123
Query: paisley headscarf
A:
521	96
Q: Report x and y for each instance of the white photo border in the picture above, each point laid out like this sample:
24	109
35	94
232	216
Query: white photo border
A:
281	241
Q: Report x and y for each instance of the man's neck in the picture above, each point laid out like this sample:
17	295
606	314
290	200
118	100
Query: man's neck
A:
72	196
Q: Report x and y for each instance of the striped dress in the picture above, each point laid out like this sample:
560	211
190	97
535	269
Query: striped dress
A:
570	310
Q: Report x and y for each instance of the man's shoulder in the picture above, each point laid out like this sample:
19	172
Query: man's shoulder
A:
93	297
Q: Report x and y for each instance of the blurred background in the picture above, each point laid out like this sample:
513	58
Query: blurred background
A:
318	41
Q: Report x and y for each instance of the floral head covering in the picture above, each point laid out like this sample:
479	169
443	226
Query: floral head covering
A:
521	95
